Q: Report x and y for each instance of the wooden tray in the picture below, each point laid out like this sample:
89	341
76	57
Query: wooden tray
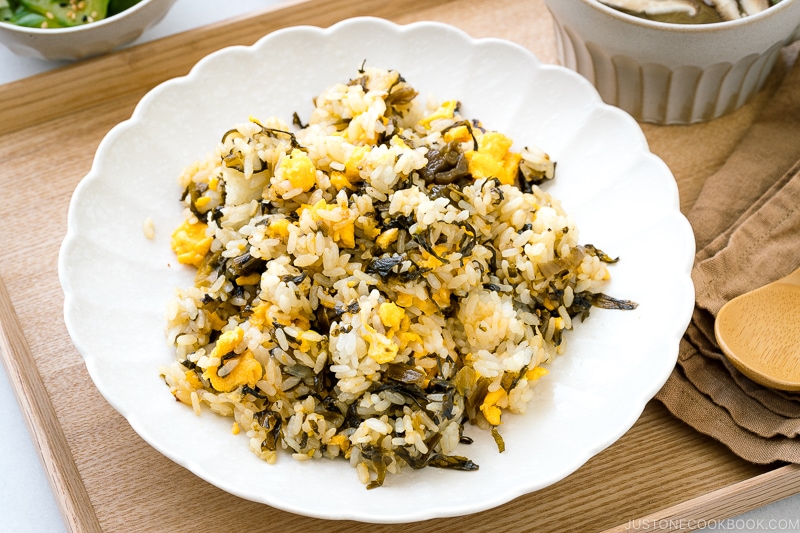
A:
661	474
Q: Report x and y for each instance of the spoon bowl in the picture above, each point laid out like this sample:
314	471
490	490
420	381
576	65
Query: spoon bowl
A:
759	332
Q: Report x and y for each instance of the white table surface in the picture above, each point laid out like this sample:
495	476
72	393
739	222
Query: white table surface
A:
26	499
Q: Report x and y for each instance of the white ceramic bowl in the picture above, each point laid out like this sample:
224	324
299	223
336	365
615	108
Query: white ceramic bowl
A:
80	42
672	73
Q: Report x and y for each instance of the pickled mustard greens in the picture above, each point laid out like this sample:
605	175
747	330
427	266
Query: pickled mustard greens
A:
59	14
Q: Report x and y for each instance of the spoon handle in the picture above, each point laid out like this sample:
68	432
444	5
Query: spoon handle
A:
792	279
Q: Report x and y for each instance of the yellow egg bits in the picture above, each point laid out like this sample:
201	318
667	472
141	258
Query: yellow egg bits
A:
191	243
240	369
493	157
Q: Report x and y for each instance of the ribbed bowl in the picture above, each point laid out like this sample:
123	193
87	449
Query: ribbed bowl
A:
671	73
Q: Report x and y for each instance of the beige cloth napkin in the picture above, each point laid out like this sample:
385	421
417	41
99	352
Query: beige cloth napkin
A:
747	226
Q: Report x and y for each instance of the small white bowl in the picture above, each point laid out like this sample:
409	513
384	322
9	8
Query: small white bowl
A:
79	42
672	73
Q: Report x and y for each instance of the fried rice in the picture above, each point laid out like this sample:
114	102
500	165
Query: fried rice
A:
375	284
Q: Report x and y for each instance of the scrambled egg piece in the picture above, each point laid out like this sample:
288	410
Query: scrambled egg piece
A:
459	134
395	319
368	225
343	442
491	406
342	230
340	181
406	338
404	300
202	202
193	380
340	440
387	237
427	306
431	261
535	373
278	228
264	313
227	342
259	317
381	347
495	401
190	243
247	372
442	297
390	314
250	279
446	110
308	340
352	167
396	140
494	159
299	170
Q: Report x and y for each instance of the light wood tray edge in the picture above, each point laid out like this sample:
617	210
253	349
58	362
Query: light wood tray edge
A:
40	416
710	509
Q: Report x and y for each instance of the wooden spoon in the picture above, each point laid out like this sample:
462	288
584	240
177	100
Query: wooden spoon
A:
759	332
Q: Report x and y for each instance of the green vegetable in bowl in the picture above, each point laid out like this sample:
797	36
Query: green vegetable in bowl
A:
117	6
59	14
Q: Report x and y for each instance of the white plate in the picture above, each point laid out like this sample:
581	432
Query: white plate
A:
624	199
